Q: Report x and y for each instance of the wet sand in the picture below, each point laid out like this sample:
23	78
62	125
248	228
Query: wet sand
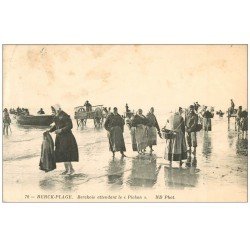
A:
217	173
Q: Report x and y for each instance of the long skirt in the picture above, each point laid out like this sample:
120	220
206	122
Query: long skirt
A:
244	124
207	124
132	132
176	148
66	148
141	137
152	136
116	140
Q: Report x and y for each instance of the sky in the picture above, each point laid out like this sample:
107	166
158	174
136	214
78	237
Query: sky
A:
162	76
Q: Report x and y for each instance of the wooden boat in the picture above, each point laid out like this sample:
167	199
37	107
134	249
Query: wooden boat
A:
35	120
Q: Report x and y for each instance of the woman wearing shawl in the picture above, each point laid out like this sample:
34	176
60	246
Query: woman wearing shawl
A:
66	149
114	124
140	123
176	149
153	126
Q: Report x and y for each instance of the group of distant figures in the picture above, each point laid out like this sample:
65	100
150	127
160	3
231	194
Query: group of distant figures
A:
180	131
24	111
241	118
19	111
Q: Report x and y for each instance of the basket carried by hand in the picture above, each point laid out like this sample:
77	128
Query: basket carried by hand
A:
198	127
168	134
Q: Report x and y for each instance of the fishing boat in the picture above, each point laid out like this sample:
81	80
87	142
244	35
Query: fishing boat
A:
35	120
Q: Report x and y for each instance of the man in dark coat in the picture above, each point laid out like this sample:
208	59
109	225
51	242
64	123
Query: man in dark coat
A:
114	124
88	106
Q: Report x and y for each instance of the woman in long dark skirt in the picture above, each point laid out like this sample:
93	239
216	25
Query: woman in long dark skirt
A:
66	149
176	149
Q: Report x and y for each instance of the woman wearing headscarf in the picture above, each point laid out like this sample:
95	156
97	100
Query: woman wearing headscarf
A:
140	123
152	127
114	124
176	149
66	149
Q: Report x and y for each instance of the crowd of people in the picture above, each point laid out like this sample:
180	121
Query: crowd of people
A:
180	132
144	130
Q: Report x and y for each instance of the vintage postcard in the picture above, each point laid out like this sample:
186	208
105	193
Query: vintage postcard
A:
125	123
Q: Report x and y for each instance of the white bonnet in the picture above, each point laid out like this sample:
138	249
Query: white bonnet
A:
57	107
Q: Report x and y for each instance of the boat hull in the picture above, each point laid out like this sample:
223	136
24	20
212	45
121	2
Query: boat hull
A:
35	120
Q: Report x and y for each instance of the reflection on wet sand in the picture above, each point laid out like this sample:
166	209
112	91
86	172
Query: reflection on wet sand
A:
63	182
207	145
180	178
230	137
144	171
241	146
47	184
116	171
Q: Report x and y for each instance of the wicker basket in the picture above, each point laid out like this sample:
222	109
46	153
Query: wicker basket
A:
168	134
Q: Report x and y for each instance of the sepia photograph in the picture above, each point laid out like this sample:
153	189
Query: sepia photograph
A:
125	123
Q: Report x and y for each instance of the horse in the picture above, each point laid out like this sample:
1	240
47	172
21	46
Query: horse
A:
98	117
81	117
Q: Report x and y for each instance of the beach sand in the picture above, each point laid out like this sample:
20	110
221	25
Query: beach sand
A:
218	173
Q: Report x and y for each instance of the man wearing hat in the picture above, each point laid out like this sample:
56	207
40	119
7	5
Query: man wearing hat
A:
88	106
191	123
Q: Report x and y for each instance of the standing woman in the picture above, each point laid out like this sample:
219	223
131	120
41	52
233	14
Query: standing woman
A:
153	126
66	149
6	121
114	124
176	149
140	123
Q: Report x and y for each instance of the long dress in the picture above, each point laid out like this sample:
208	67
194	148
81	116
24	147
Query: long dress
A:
176	148
115	125
66	149
244	121
140	123
152	129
